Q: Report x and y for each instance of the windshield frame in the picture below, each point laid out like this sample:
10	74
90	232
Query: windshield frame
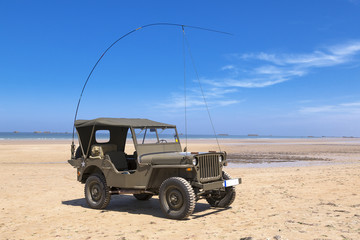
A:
141	140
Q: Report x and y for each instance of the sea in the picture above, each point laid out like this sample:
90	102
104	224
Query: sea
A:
66	136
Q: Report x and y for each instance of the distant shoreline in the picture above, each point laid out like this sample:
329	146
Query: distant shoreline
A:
37	135
224	142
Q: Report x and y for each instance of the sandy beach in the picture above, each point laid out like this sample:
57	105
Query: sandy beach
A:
292	189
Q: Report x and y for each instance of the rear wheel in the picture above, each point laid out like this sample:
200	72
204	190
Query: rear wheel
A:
97	193
143	196
177	198
222	198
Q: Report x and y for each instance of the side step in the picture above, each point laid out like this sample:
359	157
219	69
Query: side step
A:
128	191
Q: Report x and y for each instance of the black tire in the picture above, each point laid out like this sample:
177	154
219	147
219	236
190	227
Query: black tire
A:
225	198
177	198
97	193
143	196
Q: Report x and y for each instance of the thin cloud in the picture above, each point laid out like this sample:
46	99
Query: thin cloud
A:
350	108
331	56
315	59
262	76
253	83
270	69
216	97
353	104
228	67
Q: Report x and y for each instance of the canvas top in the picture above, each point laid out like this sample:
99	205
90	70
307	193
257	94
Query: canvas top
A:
120	122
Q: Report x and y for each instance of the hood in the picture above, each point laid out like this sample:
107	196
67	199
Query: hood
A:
167	158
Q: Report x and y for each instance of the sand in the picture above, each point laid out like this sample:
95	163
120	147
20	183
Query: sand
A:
312	193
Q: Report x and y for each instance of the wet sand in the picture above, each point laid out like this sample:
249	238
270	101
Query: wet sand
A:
312	194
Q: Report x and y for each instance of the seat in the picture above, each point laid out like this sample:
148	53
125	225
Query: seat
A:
119	160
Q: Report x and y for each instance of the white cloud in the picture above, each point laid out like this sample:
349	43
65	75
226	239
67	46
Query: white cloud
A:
215	92
277	72
269	69
253	83
279	68
353	104
349	108
225	103
331	56
319	109
215	97
264	76
228	67
315	59
346	49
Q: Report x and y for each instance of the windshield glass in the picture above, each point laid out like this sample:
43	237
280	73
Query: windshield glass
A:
156	135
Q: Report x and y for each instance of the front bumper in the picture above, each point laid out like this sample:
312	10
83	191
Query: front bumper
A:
217	184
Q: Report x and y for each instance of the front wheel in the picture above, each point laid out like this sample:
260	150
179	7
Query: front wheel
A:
222	198
177	198
97	193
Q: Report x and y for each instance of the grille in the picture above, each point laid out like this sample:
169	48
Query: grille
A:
209	167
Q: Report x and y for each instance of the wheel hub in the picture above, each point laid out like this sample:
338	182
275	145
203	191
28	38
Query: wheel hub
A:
95	192
175	199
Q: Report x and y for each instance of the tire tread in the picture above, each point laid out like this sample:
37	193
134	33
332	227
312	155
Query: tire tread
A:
107	191
191	200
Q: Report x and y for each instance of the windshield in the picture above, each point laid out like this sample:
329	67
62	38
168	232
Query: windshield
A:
157	135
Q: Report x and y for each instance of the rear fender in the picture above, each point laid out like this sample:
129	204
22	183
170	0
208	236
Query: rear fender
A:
76	163
88	172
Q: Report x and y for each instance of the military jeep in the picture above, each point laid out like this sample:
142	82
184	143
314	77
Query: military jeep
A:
154	164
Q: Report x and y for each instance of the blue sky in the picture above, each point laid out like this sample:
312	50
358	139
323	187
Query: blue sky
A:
291	68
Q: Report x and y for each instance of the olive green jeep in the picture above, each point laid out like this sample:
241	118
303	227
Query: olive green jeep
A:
155	166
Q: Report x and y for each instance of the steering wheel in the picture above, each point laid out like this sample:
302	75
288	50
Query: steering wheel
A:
162	141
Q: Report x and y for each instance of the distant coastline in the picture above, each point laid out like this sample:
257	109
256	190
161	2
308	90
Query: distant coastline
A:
46	135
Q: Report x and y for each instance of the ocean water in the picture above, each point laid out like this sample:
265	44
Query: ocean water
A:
34	136
50	136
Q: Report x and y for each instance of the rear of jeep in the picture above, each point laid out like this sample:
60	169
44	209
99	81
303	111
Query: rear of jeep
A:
156	167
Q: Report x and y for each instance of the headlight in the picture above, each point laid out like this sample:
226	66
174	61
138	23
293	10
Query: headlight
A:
220	158
195	161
